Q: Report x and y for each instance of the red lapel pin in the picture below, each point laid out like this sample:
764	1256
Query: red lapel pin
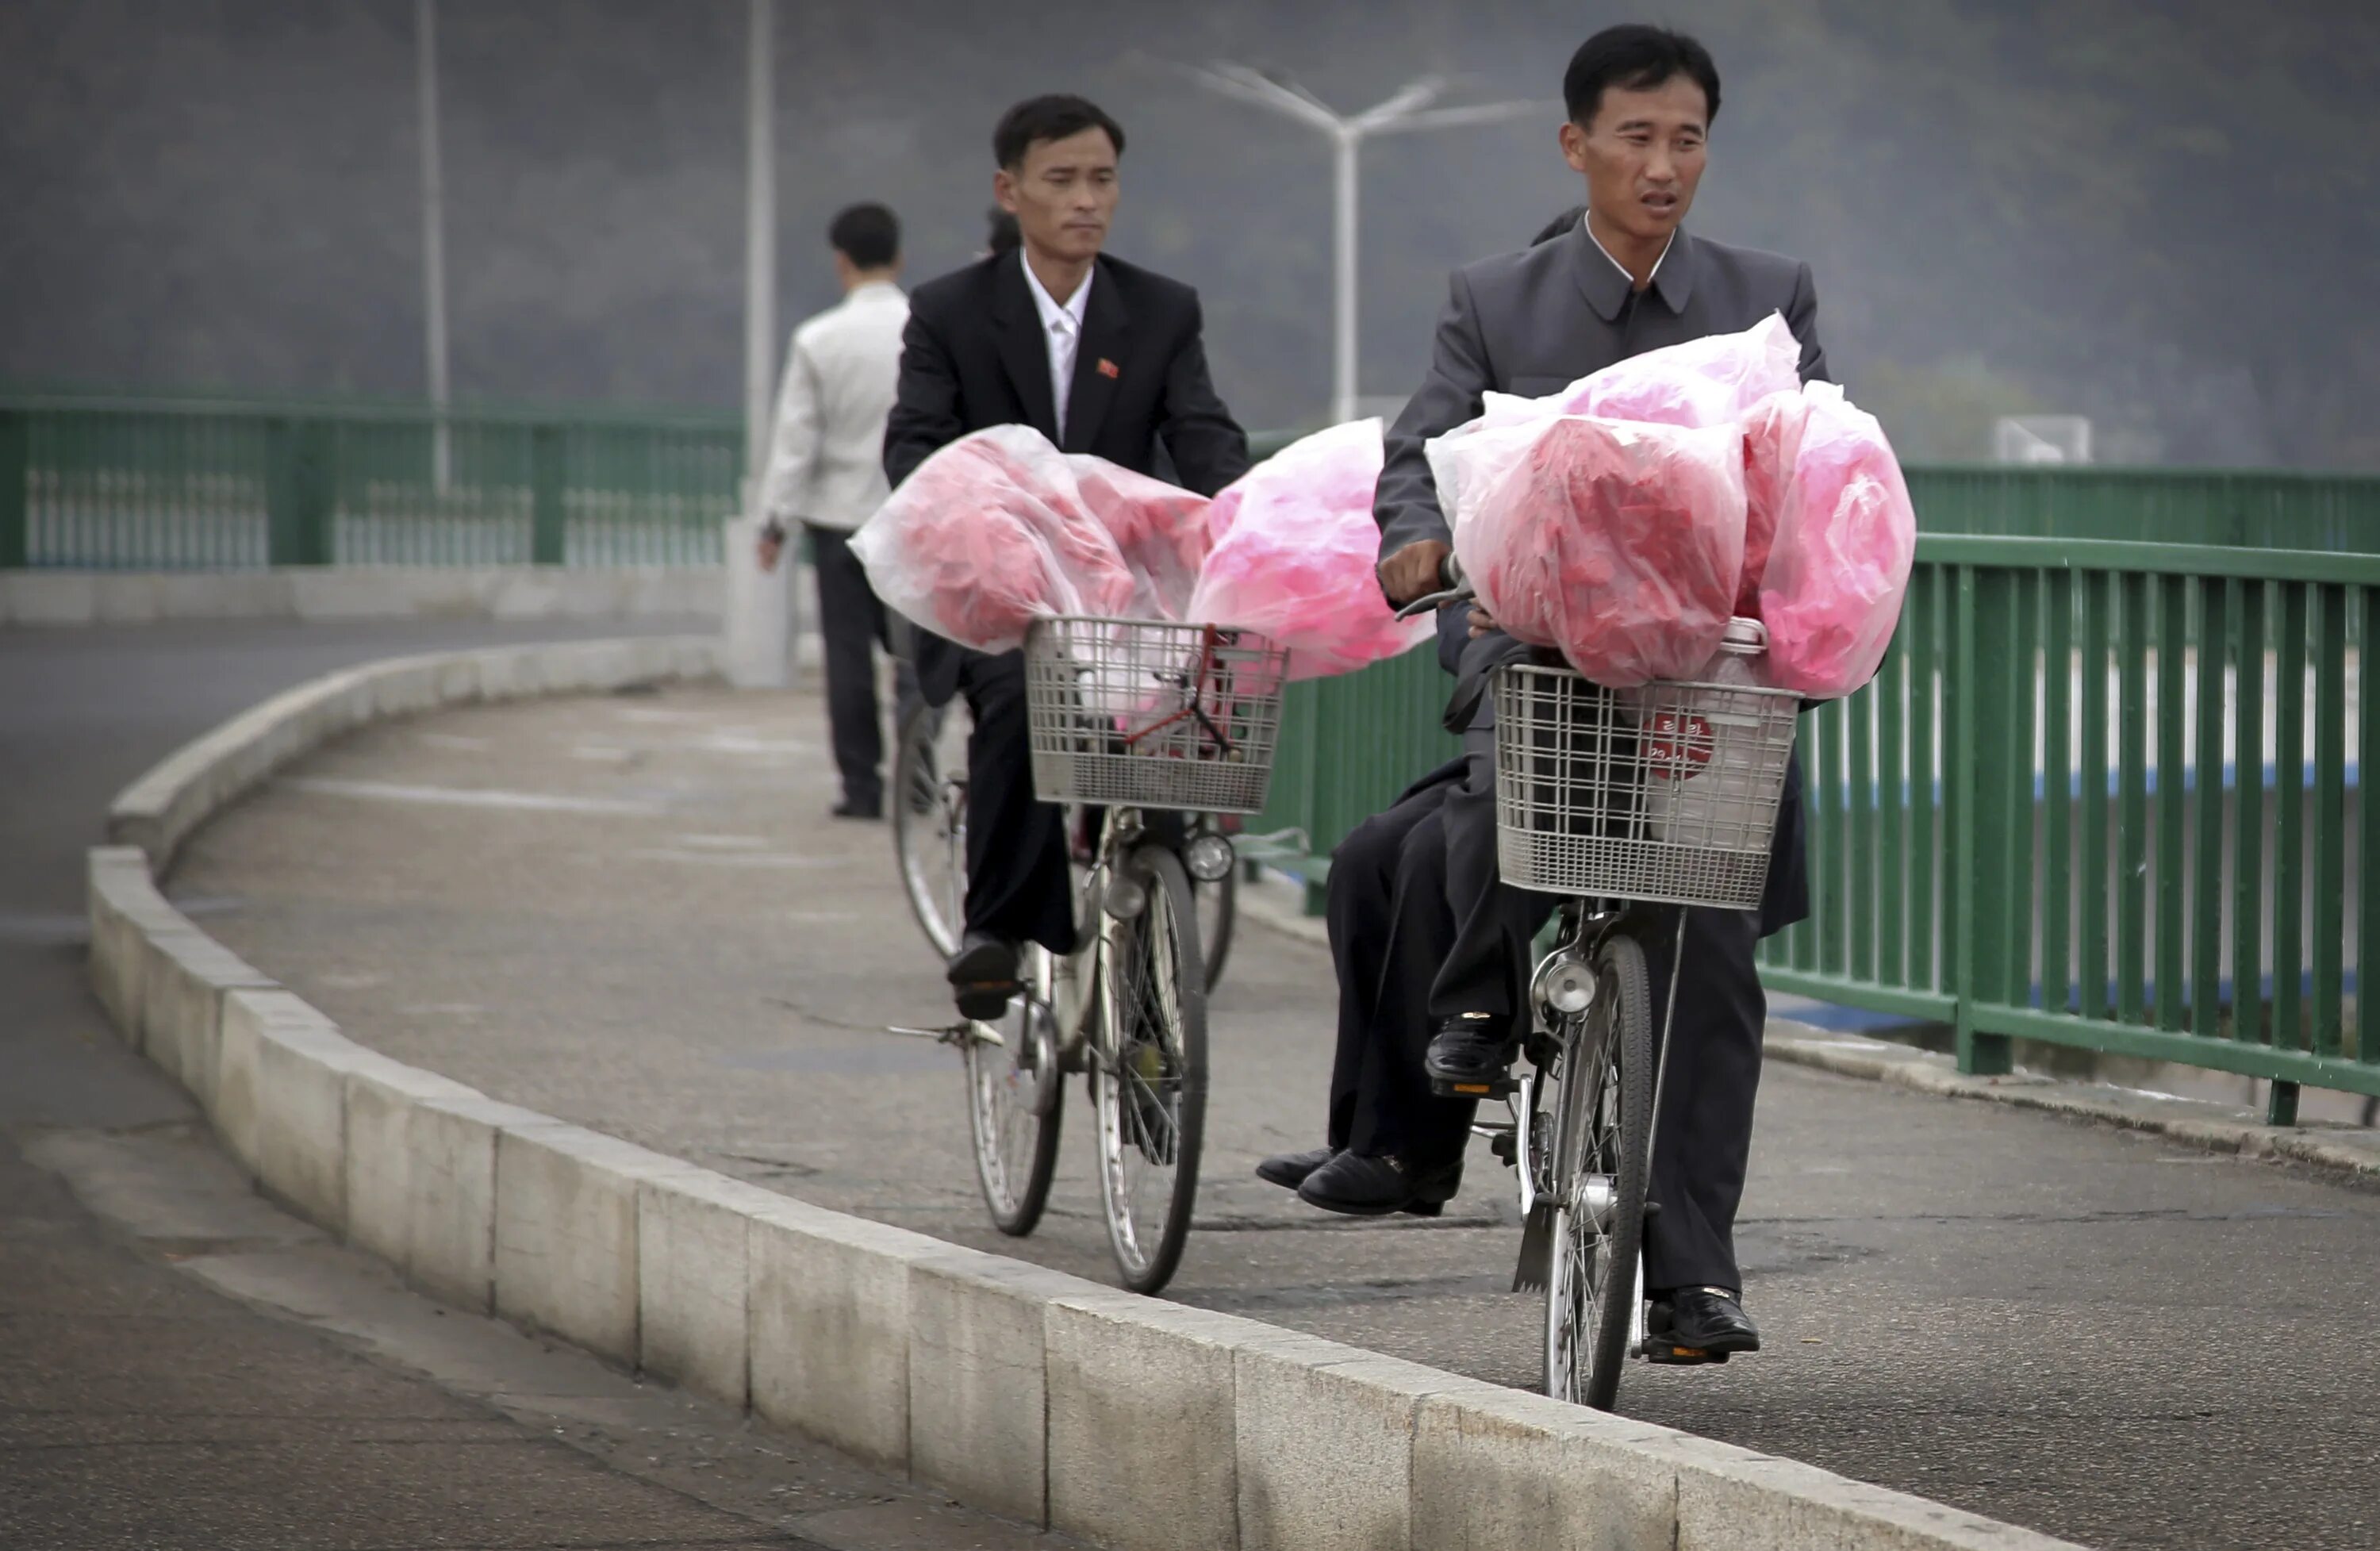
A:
1109	368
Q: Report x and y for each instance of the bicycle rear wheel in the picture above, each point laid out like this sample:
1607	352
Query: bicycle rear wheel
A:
1148	1084
930	816
1015	1094
1218	913
1603	1122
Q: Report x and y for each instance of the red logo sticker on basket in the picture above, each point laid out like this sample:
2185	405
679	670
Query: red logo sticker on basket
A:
1677	747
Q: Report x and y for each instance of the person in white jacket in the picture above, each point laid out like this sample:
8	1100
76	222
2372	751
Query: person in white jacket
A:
826	472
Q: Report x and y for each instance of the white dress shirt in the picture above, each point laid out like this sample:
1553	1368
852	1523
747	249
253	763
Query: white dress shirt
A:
1063	328
1588	228
826	458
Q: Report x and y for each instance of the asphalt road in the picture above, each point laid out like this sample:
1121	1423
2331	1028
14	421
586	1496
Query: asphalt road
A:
189	1368
2088	1331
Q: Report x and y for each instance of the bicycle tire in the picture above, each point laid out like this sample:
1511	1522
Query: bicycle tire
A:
1218	909
1149	1086
1602	1132
1015	1111
929	820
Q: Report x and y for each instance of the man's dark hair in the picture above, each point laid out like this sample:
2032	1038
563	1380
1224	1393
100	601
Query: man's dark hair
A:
1635	58
867	235
1003	236
1567	221
1047	118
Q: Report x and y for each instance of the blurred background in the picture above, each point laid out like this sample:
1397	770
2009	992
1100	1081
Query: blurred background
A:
2159	214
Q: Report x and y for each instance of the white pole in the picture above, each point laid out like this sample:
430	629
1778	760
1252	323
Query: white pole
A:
433	237
760	240
1345	142
761	630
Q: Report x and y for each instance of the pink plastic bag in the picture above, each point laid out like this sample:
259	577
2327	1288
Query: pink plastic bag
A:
1294	551
1161	530
1772	440
1846	535
989	533
1619	542
1714	380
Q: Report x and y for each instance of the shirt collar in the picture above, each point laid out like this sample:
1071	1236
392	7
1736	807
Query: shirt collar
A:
1608	285
874	290
1076	305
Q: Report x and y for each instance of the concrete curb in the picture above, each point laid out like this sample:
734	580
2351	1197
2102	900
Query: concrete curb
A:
2198	1123
2220	1128
1137	1425
353	592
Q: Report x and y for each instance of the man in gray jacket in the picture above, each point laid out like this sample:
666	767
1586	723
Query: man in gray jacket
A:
1625	279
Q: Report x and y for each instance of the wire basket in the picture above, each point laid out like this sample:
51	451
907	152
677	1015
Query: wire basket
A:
1667	794
1143	713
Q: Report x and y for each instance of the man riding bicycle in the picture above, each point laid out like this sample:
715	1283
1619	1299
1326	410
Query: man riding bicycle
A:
1101	357
1432	950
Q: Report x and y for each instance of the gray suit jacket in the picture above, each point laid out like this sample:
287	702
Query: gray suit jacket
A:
1537	320
1533	322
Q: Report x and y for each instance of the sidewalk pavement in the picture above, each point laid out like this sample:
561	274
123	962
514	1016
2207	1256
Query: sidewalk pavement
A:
183	1366
633	913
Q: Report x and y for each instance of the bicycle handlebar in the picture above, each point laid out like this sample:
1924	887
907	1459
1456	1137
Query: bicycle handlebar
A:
1452	590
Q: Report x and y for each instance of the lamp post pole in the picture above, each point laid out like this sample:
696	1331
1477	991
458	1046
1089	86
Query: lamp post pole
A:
433	240
1405	112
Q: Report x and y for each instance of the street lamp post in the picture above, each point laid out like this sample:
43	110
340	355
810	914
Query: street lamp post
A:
434	238
1407	110
762	624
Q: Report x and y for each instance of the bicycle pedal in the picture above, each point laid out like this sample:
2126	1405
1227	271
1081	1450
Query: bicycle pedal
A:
1668	1354
1499	1087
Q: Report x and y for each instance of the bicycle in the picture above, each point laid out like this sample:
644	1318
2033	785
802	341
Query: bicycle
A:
1139	720
1630	805
930	785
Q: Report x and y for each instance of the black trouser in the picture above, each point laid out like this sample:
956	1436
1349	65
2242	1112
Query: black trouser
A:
1389	929
1018	886
1703	1140
1488	968
852	624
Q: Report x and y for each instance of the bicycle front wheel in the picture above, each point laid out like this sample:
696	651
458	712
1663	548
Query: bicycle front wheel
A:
929	818
1015	1106
1603	1122
1149	1084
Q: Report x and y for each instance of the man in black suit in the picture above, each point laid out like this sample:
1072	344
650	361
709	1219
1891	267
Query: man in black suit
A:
1100	356
1624	279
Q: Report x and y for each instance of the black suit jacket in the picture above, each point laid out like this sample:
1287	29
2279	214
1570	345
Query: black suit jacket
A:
974	355
1534	321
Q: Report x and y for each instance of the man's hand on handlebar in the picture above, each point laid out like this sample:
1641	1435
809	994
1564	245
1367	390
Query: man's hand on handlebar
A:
1412	570
1482	621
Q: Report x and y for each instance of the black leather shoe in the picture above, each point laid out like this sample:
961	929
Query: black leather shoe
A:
1471	1057
1378	1187
869	812
983	976
1289	1170
1698	1325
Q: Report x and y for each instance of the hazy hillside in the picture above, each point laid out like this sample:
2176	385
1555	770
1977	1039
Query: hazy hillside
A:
2161	214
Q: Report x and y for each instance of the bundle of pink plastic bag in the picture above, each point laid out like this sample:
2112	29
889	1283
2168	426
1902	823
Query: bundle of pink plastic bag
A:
1624	519
1295	548
1000	528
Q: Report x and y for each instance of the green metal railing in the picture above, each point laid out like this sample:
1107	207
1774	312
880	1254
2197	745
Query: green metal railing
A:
2108	795
142	484
2102	795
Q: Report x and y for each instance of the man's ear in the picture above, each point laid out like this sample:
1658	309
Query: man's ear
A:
1573	146
1003	190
